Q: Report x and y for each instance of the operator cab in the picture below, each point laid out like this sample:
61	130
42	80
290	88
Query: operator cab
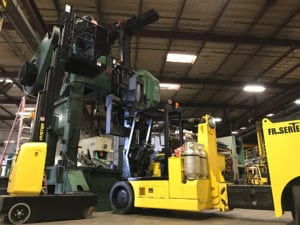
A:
90	41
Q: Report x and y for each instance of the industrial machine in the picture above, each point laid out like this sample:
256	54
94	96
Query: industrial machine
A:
45	183
194	181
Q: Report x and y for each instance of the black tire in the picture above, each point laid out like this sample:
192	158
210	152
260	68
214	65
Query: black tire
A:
19	213
296	206
121	198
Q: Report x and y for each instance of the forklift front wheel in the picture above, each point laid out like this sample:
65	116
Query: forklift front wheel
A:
121	198
296	206
19	213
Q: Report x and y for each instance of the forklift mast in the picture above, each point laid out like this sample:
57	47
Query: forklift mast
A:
138	148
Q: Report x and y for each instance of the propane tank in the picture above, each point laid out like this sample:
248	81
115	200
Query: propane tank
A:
203	162
191	160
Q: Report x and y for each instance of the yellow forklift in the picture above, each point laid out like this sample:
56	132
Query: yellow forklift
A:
256	167
256	174
184	187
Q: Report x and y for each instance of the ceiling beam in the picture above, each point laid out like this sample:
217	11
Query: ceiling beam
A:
7	26
278	60
8	124
207	37
213	26
170	41
7	118
20	54
35	17
274	105
182	104
99	11
8	97
260	13
207	81
16	101
20	23
214	105
213	37
7	74
8	112
10	75
203	81
57	7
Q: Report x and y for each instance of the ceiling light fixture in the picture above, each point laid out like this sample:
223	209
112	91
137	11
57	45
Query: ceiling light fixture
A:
270	115
234	132
7	81
297	101
217	119
168	86
254	88
68	8
181	58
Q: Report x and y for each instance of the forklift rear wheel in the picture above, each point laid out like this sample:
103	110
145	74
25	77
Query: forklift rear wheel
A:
19	213
121	198
296	206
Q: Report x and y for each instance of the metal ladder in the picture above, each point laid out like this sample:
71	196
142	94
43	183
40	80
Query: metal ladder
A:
25	113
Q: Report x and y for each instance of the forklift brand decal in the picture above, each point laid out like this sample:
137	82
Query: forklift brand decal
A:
42	129
291	128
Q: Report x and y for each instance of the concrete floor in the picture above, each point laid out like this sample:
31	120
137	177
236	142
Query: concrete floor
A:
156	217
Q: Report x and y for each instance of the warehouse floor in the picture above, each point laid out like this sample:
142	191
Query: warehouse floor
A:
152	217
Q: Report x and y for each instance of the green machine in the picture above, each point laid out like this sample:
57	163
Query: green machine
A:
64	83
